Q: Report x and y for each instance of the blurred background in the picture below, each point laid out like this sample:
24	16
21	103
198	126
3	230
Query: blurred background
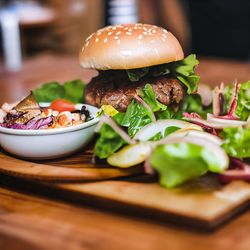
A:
213	28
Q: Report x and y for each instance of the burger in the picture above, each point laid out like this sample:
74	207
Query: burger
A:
129	56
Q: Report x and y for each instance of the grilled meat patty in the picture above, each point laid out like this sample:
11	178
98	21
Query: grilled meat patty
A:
113	87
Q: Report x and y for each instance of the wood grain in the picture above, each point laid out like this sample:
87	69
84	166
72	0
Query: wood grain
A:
215	203
75	168
34	223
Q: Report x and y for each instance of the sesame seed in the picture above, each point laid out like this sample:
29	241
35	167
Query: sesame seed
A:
116	37
113	28
165	31
128	33
97	39
87	43
126	28
118	33
164	35
89	37
140	37
105	40
154	31
145	33
129	29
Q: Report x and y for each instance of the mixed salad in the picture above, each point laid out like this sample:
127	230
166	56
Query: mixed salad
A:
180	145
30	115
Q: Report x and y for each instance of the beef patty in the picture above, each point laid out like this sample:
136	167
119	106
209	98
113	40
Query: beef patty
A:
113	87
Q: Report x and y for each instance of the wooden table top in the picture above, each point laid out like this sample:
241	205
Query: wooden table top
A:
29	221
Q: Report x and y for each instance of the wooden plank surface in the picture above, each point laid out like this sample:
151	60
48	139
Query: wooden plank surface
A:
203	203
73	168
34	223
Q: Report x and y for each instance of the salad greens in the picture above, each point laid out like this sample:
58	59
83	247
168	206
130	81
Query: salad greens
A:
148	95
108	142
194	163
237	141
183	70
72	91
243	101
136	117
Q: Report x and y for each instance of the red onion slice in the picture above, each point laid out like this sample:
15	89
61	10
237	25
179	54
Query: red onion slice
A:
241	172
225	120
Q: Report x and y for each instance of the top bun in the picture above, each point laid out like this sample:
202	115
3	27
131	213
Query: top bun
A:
129	46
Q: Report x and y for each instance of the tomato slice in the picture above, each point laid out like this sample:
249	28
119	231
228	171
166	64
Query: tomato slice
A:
62	105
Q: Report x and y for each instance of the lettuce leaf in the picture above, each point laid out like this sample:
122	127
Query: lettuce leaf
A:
108	142
135	75
195	161
72	91
49	92
136	117
184	71
236	141
148	95
243	100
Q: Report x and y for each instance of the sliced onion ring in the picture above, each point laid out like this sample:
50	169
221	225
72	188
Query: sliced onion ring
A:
226	122
108	120
153	128
213	124
199	134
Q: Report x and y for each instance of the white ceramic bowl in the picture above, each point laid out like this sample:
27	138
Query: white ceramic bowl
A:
48	143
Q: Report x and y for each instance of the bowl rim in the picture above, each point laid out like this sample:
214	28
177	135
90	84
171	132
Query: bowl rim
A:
93	110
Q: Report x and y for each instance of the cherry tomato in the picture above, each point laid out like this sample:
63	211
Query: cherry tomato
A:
62	105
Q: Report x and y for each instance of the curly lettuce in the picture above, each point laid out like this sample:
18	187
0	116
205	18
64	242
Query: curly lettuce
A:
72	91
236	141
183	70
243	100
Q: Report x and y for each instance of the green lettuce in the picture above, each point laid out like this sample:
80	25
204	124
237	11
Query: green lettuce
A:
182	70
136	117
237	141
195	161
72	91
108	142
148	95
135	75
243	100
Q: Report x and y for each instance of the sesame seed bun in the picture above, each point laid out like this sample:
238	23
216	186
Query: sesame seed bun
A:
129	46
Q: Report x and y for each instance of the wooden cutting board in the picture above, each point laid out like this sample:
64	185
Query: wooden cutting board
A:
78	167
204	203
